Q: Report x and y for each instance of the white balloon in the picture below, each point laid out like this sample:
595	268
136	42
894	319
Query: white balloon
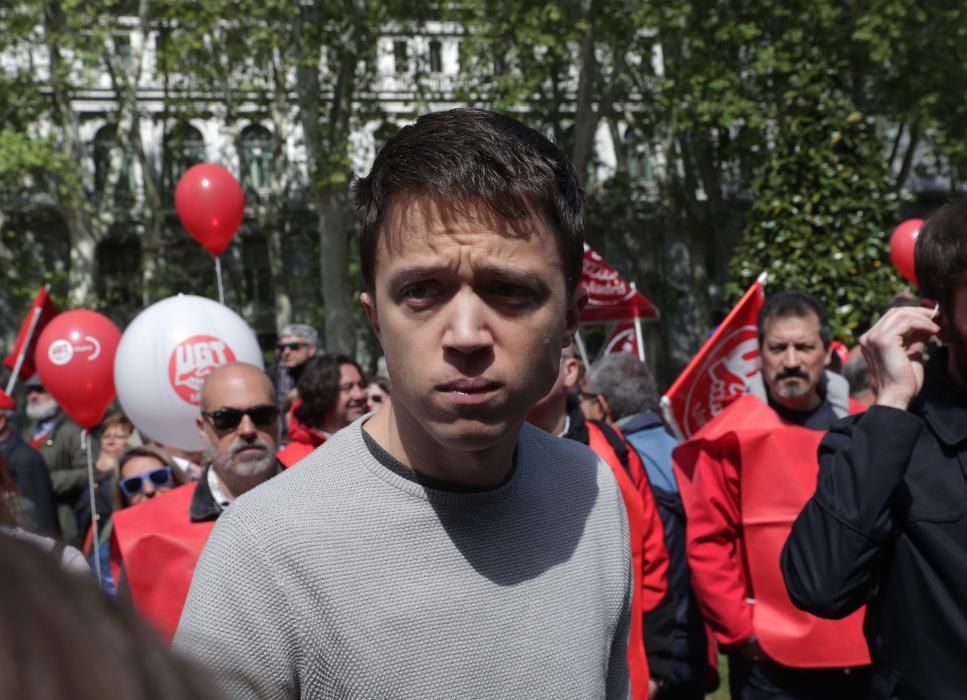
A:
164	357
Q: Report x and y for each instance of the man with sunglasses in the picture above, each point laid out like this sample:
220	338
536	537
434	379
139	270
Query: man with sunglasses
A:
298	343
158	542
439	548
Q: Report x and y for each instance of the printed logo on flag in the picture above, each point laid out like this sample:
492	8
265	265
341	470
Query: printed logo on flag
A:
192	360
722	377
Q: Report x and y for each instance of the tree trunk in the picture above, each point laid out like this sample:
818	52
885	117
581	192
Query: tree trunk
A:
585	113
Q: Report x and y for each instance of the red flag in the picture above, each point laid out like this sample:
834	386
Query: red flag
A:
610	296
719	372
43	310
623	340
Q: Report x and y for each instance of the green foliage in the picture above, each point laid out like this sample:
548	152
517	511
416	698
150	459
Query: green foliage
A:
822	213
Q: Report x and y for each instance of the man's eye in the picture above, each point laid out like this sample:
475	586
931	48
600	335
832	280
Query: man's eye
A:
512	291
418	292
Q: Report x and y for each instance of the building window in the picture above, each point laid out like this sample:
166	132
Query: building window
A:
401	60
436	57
184	147
106	149
118	279
257	157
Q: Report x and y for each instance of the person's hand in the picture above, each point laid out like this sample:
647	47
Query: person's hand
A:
652	689
105	464
893	349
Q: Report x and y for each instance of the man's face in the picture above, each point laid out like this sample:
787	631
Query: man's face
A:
242	425
294	351
351	400
40	404
793	360
472	313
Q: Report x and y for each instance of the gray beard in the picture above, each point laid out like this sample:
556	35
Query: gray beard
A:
43	411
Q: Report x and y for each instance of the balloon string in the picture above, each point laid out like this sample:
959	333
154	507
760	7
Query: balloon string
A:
218	276
94	516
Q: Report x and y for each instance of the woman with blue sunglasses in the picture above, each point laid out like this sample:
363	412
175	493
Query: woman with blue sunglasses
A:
142	473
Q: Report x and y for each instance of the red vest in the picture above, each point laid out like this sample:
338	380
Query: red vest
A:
158	545
778	471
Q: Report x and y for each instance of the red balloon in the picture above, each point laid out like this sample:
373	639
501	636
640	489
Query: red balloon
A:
211	205
902	245
75	360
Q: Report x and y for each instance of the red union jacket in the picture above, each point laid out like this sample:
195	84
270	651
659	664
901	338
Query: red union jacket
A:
158	545
302	440
744	477
649	557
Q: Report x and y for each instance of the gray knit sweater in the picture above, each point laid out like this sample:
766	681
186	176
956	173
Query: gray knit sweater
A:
342	579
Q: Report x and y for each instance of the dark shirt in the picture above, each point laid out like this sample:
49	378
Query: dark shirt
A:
400	469
30	474
819	418
887	527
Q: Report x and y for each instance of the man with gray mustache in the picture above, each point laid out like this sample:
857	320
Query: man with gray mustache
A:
158	542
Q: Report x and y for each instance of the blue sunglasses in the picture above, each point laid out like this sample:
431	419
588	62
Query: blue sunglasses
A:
133	485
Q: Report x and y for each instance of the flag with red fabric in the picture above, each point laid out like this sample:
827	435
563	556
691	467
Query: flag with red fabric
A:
622	340
718	374
610	296
39	315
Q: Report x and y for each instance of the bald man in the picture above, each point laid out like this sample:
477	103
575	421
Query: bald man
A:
158	542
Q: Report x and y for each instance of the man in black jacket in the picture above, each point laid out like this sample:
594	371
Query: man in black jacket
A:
29	472
887	526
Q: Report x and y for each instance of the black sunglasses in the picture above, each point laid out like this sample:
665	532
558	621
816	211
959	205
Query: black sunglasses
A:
226	419
282	347
133	485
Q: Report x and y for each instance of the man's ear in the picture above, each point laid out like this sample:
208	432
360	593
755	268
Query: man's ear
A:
829	355
605	408
369	305
575	307
570	371
200	424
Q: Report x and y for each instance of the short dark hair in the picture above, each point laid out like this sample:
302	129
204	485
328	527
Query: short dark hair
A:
318	387
625	383
794	303
472	156
940	255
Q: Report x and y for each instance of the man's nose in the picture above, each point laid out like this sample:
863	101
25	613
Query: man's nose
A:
358	393
467	330
246	427
791	358
148	489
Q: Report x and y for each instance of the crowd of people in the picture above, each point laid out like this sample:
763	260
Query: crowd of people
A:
489	517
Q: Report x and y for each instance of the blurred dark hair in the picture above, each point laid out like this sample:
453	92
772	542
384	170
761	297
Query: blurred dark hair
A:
625	383
8	490
794	303
118	419
940	255
381	381
470	157
61	639
318	387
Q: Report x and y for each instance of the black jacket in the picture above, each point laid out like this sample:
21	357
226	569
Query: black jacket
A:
29	471
888	527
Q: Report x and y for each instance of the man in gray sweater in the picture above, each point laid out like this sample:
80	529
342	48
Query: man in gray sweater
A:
438	548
